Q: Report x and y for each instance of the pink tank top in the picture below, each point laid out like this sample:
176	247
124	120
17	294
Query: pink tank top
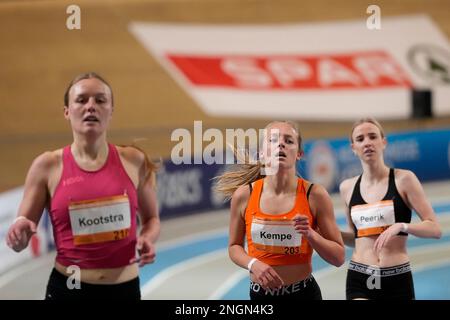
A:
93	214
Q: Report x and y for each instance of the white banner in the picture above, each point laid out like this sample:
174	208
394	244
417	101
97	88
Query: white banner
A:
324	71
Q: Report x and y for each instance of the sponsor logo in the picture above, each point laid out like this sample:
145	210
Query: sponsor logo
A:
430	62
322	166
72	180
370	69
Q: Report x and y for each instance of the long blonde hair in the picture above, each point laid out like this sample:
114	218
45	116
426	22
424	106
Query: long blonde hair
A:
246	173
150	167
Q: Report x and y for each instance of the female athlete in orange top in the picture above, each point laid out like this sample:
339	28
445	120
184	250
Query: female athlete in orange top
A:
284	218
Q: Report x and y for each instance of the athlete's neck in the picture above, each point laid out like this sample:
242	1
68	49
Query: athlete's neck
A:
375	171
90	150
282	182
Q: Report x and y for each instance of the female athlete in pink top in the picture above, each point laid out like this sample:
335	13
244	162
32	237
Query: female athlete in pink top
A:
93	191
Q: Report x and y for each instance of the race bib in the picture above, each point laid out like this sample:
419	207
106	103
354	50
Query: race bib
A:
373	219
100	220
275	236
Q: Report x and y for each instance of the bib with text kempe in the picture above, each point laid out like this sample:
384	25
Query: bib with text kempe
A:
100	220
275	235
373	219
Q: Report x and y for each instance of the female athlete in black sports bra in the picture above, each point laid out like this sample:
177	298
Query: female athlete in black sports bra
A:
379	204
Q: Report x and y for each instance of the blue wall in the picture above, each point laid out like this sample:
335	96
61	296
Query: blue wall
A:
426	153
187	188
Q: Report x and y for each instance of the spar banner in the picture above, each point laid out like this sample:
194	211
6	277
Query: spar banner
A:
426	153
316	71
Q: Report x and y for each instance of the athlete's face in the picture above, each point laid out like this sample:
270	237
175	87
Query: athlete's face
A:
368	143
281	146
90	107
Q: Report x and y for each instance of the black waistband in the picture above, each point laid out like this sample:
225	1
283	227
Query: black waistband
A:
61	287
377	271
284	290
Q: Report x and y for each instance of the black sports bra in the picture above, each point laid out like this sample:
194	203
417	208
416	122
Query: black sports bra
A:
373	219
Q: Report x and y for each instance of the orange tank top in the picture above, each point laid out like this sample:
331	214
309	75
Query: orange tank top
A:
271	238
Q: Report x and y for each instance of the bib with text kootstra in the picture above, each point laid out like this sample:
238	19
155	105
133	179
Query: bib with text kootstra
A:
275	236
373	219
100	220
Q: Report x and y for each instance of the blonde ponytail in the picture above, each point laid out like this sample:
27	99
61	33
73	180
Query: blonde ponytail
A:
240	174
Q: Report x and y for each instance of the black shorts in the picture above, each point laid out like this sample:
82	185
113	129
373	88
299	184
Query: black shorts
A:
369	282
58	289
306	289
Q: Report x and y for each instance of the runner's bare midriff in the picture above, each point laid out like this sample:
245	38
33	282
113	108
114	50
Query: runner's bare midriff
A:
291	273
103	275
392	254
